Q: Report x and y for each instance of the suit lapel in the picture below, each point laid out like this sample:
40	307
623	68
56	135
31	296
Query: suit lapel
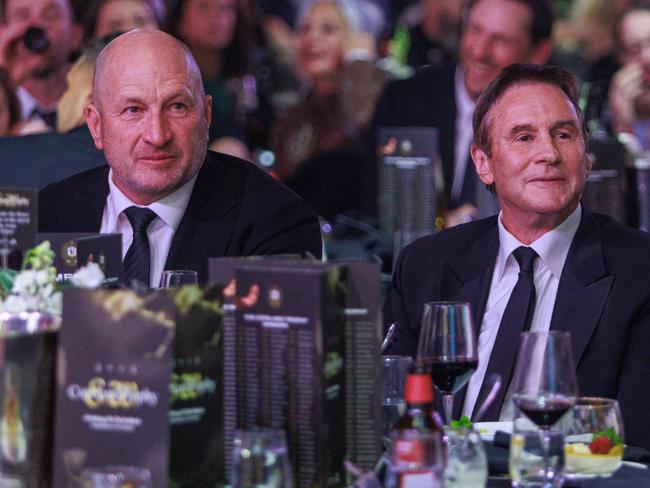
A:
207	224
584	286
468	279
90	203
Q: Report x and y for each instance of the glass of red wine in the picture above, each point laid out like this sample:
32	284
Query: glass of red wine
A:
544	385
447	348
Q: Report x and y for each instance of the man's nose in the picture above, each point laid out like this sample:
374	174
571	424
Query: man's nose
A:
157	130
546	150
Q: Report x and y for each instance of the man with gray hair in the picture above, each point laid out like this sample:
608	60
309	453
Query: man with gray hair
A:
174	202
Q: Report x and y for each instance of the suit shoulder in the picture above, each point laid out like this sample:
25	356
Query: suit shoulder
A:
249	180
426	77
632	242
60	190
449	243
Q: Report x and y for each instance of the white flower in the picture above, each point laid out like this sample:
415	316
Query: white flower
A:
90	276
25	282
16	304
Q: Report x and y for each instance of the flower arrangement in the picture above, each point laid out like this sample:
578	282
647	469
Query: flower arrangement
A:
34	288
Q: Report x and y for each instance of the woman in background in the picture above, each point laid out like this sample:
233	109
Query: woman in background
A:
108	16
218	34
336	50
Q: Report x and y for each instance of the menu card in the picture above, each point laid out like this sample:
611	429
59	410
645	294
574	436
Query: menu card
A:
18	224
27	404
64	246
114	365
196	391
290	362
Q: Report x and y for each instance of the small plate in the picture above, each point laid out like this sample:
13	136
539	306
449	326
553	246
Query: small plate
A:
487	429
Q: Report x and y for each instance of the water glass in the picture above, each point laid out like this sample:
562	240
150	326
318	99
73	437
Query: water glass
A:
466	459
393	377
594	437
116	477
260	459
527	466
173	278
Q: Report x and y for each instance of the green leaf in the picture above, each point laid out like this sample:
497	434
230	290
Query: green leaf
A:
463	423
6	280
610	434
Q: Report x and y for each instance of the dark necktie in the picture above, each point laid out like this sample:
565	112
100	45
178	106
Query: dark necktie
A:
517	317
48	117
138	258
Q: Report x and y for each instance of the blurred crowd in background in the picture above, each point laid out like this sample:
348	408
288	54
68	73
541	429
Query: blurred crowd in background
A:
294	83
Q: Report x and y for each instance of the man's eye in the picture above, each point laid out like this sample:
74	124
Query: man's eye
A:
132	110
178	106
563	135
524	138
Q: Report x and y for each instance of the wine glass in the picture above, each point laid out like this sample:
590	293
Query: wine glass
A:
173	278
544	385
447	348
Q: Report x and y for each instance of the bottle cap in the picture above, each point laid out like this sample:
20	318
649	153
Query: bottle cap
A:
418	389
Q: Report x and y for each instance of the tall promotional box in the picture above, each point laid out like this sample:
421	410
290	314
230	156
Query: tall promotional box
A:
290	362
363	334
113	369
197	389
18	224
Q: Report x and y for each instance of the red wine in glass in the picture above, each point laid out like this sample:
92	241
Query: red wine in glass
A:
544	411
449	374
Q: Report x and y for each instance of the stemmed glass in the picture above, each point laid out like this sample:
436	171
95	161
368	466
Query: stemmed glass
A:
447	348
544	384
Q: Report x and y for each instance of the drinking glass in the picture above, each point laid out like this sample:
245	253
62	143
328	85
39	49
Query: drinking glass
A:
260	459
466	459
526	462
393	377
447	348
594	437
116	477
545	386
172	278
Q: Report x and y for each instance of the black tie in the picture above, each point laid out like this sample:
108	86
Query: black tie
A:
48	117
137	259
516	318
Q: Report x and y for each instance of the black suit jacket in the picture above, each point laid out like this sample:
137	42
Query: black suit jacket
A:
603	300
235	210
427	99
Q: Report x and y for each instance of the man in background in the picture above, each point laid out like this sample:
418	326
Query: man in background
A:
496	33
38	60
629	93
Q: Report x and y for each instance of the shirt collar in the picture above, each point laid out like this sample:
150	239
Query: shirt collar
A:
464	103
27	103
552	247
170	208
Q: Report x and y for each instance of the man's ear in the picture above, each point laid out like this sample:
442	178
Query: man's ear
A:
94	124
482	165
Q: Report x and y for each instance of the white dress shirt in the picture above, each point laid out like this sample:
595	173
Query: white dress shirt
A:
169	211
464	132
28	104
552	249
